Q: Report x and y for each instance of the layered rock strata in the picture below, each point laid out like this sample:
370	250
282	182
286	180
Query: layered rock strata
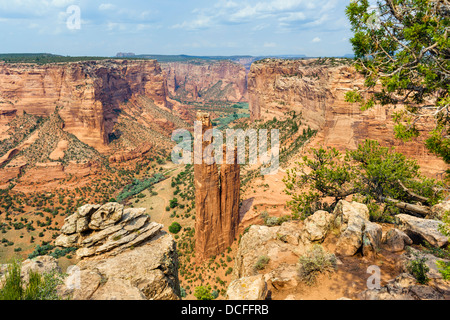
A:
318	90
206	81
87	94
217	200
106	230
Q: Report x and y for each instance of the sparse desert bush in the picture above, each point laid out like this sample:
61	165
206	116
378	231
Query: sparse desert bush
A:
419	269
175	228
314	262
262	262
39	287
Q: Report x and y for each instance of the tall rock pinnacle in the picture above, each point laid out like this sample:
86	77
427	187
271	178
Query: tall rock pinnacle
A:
217	201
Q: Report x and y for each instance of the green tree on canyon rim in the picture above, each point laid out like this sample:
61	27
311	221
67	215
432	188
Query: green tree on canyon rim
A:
402	49
403	45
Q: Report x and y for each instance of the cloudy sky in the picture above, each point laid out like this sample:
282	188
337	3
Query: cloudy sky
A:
194	27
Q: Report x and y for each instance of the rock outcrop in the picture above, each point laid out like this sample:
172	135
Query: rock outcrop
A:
217	201
147	272
317	89
419	229
106	230
123	255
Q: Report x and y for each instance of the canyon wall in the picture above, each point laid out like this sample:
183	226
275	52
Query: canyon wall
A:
217	201
203	81
317	90
86	94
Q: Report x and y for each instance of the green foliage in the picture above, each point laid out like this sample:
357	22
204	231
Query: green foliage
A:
138	186
262	262
38	287
315	262
418	268
203	293
175	228
405	48
376	173
173	203
444	269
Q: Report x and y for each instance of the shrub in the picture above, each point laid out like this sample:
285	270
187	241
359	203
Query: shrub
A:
175	228
418	268
444	269
314	262
262	262
203	293
39	287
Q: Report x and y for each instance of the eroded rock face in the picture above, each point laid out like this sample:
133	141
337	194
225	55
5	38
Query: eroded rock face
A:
217	202
317	91
148	272
123	255
204	81
404	287
86	93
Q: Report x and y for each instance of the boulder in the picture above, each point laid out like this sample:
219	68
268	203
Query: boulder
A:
317	226
248	288
395	240
67	241
344	210
351	240
419	229
371	240
438	211
70	225
149	271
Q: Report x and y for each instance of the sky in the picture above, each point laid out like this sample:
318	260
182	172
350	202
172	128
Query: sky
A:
193	27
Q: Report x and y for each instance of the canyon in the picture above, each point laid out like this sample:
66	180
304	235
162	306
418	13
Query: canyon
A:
65	126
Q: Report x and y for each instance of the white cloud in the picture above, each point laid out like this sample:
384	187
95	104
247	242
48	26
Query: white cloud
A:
294	16
106	6
200	23
316	39
270	45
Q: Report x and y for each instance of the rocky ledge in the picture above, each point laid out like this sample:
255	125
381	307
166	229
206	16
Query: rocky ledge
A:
124	256
106	230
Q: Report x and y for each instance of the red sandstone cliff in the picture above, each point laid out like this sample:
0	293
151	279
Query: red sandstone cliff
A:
206	81
85	93
318	91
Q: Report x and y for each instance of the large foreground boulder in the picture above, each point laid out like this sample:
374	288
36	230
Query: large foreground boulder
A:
356	231
123	255
419	229
148	272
